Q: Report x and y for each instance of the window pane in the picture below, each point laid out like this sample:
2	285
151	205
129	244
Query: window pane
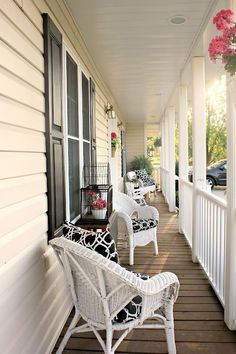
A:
86	153
74	180
85	95
72	97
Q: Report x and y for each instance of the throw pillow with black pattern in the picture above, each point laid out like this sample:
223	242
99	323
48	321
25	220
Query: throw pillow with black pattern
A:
101	242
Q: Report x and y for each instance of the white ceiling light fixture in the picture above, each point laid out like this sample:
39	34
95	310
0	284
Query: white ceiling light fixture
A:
178	20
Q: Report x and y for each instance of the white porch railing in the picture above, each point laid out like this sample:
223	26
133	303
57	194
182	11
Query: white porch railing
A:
212	236
186	213
165	176
211	231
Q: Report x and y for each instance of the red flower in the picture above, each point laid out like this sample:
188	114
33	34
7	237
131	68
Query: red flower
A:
113	135
91	194
218	46
99	203
223	19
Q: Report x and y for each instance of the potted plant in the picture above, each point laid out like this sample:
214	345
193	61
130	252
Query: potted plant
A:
223	47
99	208
91	197
114	143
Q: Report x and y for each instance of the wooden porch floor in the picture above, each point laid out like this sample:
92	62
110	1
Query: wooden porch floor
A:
199	325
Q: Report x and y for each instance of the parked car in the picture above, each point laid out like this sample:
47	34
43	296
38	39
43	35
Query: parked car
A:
216	174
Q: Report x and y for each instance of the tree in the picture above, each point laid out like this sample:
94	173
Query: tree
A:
216	134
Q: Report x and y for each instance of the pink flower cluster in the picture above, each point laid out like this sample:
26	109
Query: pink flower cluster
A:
223	19
114	140
223	47
99	203
91	194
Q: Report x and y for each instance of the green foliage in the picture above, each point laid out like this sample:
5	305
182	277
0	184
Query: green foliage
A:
141	162
230	66
216	134
157	142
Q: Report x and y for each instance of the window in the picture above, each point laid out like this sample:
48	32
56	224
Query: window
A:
72	123
78	132
86	120
68	136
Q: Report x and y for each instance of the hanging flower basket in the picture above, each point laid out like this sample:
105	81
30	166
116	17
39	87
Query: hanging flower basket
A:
223	47
113	152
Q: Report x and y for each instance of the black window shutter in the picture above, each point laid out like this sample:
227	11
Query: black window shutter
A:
93	122
54	126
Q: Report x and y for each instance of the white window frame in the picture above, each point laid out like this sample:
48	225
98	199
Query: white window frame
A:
80	70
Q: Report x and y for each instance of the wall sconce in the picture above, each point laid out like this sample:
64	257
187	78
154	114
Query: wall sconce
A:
111	114
120	126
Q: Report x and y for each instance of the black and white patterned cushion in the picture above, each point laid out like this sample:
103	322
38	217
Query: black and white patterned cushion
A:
143	224
142	174
101	242
133	309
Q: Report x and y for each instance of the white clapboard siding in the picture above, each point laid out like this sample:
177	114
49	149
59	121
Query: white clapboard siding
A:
32	12
15	190
17	40
32	285
19	214
12	11
19	66
15	164
10	246
21	139
20	115
134	141
17	89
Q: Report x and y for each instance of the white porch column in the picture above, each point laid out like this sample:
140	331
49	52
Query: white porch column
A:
171	158
199	143
183	148
166	125
230	254
162	152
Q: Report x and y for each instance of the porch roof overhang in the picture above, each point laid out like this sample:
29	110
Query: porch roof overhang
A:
139	52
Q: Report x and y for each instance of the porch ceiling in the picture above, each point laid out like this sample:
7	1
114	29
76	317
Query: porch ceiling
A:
139	53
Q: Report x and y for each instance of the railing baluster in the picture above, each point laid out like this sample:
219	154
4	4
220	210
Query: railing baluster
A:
212	231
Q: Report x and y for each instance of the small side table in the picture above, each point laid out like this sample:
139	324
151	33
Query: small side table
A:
93	225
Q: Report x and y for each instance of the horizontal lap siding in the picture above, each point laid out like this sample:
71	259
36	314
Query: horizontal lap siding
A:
134	141
101	127
32	287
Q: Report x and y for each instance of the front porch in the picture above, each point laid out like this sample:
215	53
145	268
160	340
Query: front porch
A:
199	318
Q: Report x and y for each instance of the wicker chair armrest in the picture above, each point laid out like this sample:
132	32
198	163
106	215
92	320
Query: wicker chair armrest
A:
124	222
170	282
164	281
148	212
140	182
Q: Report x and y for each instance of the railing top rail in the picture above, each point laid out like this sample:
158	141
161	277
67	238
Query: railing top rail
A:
208	195
164	169
187	183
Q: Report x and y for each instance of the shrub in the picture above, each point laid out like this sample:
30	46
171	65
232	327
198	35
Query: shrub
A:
140	163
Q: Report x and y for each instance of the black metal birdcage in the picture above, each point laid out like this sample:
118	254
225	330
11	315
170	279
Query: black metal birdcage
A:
98	174
96	195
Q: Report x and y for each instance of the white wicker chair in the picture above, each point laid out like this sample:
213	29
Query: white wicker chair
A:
135	193
125	208
100	288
